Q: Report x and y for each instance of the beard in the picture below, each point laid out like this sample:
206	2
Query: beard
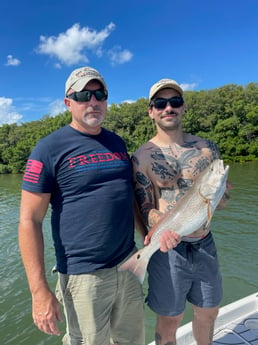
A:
93	120
94	117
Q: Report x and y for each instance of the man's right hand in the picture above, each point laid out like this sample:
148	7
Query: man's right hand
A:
168	240
46	312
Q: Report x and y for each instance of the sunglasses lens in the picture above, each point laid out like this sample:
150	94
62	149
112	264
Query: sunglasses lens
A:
176	102
161	103
85	96
101	95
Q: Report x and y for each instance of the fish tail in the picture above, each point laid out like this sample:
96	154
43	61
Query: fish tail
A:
137	264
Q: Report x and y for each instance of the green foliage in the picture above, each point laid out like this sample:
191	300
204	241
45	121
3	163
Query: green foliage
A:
17	142
131	122
227	115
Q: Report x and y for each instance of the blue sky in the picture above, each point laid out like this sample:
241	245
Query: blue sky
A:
201	44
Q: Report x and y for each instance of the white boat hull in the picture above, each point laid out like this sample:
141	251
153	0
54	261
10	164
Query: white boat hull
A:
236	324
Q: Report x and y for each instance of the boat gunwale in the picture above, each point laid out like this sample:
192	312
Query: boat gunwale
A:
227	314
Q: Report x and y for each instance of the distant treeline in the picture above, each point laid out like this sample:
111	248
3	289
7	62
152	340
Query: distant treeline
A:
227	115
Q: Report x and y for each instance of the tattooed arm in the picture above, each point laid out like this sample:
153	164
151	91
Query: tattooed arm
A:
144	192
140	227
146	205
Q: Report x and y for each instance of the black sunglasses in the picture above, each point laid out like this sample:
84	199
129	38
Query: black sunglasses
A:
85	96
161	103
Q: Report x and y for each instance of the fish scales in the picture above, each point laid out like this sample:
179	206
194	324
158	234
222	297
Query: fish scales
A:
194	210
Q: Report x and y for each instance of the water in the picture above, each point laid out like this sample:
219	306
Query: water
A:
234	229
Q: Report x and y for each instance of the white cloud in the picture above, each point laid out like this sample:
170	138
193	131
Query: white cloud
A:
40	105
57	65
130	101
70	47
119	56
11	61
188	87
57	107
8	113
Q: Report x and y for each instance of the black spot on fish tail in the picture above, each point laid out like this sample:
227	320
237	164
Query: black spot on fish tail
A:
138	256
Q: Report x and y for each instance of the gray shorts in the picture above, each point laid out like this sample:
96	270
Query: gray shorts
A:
190	272
102	307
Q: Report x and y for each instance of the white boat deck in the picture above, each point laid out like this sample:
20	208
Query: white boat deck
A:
240	332
237	324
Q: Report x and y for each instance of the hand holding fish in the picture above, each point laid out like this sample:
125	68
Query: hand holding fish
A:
168	240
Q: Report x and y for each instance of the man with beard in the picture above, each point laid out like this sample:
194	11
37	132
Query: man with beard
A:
164	169
84	172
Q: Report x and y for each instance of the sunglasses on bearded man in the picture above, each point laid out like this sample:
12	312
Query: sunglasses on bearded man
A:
85	95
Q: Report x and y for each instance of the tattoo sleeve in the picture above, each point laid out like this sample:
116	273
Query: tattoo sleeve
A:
143	194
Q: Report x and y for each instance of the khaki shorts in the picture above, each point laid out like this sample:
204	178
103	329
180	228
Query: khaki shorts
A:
102	307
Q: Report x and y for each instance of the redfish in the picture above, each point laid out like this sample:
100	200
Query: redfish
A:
194	210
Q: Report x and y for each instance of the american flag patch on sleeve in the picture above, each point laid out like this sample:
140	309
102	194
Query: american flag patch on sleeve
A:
32	171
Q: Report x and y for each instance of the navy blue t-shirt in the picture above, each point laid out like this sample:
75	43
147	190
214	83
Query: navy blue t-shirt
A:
90	181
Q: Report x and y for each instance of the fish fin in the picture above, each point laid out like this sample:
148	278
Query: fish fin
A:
209	215
137	264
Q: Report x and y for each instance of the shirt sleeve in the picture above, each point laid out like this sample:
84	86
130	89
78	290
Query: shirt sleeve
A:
39	176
